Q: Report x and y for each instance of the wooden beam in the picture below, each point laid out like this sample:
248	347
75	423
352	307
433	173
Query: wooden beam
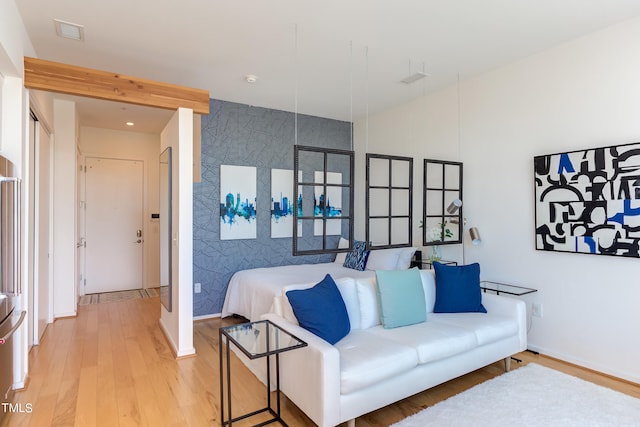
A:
73	80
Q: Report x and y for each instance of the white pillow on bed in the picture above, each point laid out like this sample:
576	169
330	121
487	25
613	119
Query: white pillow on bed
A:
383	259
405	257
347	288
390	259
340	257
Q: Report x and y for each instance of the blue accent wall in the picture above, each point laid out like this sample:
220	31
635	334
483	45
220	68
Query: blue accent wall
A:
242	135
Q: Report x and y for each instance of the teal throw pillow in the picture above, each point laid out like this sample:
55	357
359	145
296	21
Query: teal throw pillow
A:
321	310
357	258
400	297
458	289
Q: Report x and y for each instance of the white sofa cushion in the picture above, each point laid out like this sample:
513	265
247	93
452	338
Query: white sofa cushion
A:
429	286
488	328
368	299
432	341
349	292
367	360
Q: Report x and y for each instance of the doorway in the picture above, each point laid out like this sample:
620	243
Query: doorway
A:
113	225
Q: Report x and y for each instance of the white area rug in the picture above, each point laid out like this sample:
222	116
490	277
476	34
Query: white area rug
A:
532	396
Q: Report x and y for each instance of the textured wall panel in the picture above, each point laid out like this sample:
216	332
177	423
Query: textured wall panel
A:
237	134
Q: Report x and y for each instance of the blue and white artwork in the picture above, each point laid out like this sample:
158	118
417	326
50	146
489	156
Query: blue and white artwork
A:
282	203
328	205
237	202
588	201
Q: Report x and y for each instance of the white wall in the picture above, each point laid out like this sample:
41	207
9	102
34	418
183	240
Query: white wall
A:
145	147
178	324
65	294
14	41
582	94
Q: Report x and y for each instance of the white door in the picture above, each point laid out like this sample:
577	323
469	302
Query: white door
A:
42	248
114	213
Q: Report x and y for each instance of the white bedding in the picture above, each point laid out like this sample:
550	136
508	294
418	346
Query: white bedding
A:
250	292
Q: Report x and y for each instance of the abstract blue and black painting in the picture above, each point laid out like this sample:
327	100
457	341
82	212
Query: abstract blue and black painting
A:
588	201
237	202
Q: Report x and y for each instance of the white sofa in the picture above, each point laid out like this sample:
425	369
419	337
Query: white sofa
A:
373	367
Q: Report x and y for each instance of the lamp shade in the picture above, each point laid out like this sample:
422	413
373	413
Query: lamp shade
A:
454	206
475	236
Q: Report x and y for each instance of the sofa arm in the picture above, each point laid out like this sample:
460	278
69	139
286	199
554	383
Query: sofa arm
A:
509	307
310	376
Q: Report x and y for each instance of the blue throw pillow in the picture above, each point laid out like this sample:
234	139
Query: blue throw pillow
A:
458	289
321	310
400	297
357	258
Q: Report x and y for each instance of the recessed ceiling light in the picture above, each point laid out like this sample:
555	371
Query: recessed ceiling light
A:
129	123
69	30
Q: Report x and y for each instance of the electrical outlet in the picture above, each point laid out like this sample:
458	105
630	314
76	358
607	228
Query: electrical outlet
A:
536	310
197	287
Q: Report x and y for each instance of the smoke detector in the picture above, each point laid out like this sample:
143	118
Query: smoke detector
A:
250	78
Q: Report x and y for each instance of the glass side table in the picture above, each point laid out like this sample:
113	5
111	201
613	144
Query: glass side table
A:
256	340
504	288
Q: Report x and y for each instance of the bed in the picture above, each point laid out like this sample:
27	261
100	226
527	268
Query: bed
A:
250	292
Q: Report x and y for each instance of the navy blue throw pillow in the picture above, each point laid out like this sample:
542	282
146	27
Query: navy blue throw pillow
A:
357	258
458	289
321	310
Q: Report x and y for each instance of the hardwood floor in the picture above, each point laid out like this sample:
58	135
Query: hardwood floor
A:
111	366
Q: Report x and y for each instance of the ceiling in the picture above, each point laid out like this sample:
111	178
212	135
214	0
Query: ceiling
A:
335	59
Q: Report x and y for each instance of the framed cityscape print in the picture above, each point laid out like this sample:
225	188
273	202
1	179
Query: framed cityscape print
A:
237	202
282	203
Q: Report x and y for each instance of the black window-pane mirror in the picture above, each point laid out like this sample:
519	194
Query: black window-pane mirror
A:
323	188
442	222
389	201
165	228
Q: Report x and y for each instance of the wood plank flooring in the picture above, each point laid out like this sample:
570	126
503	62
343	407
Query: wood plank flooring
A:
111	366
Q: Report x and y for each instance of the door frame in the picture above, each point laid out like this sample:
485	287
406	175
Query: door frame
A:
35	142
82	217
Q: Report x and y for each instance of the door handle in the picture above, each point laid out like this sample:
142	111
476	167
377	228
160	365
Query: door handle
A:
139	241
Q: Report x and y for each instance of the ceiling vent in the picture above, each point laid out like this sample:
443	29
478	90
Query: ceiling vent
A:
414	77
69	30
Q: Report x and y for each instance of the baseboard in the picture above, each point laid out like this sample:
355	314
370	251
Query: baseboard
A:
178	354
207	317
21	385
59	316
581	363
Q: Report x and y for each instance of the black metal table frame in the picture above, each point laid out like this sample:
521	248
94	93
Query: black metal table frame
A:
268	354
